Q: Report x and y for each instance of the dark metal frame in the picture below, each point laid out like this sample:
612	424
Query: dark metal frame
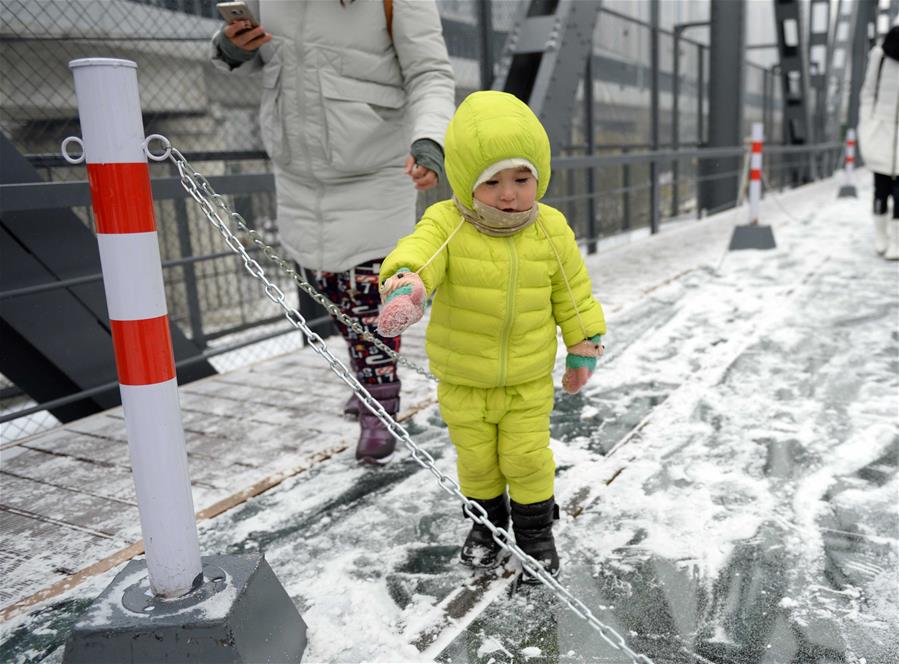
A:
794	76
726	93
633	159
819	70
679	29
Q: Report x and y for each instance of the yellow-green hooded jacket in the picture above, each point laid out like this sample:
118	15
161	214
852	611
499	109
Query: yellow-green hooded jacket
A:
499	299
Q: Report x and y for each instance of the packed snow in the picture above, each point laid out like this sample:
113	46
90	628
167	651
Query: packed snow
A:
728	478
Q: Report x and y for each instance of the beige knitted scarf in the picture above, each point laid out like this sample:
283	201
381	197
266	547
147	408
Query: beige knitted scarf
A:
492	221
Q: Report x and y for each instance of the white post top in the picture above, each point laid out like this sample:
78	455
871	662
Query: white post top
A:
102	62
758	131
112	128
850	134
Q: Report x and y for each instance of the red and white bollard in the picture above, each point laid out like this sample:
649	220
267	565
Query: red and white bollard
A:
848	189
229	608
754	235
114	148
755	172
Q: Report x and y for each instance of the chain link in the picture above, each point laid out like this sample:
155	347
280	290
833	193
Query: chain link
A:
286	267
201	191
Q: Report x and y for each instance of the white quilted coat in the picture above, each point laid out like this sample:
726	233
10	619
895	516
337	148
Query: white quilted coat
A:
878	122
341	104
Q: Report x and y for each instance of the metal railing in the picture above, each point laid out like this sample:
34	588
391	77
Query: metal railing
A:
619	207
602	182
616	209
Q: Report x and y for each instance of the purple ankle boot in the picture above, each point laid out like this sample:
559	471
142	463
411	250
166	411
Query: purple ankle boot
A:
376	443
351	408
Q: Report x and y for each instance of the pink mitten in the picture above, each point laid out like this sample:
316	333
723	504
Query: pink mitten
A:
580	363
403	297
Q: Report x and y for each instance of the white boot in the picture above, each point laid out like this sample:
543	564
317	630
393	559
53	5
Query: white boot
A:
892	252
880	232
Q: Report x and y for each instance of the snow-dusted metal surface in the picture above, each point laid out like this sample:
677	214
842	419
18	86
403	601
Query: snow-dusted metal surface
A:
237	613
728	479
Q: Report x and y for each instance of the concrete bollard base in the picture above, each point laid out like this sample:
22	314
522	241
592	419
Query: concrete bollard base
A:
752	236
238	612
847	191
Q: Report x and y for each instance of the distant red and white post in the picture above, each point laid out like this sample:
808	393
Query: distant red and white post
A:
850	155
755	172
113	137
848	188
754	235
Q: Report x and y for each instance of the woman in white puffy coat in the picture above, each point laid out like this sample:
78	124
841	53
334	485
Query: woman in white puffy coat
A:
356	98
878	132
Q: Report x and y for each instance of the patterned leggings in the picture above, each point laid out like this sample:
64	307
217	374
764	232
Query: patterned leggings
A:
356	293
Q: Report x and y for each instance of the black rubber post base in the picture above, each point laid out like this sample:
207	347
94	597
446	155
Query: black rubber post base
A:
238	613
752	236
847	191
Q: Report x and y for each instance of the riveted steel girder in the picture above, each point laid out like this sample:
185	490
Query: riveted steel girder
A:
839	68
793	70
794	73
544	58
819	46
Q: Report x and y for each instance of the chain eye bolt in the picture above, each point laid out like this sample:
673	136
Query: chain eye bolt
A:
65	150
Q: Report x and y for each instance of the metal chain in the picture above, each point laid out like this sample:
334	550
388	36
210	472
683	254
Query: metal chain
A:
286	266
201	191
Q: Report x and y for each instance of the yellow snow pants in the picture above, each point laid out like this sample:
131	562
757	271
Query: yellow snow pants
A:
501	436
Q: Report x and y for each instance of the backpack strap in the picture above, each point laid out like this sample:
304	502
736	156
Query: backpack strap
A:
388	14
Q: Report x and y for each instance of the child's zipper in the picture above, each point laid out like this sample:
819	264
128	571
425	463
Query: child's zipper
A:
510	309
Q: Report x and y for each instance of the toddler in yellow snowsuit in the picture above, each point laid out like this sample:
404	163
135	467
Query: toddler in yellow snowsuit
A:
507	271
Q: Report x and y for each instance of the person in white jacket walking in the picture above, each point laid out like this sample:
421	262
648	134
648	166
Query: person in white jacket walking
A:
356	98
878	131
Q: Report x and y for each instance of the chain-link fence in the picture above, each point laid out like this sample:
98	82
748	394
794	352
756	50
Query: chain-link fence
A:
616	198
214	122
203	113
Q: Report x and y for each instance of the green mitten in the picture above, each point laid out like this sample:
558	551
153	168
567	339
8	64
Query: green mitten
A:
580	363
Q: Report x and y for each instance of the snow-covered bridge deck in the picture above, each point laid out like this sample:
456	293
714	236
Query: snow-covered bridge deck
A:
728	478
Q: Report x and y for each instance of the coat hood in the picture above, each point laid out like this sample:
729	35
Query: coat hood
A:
490	126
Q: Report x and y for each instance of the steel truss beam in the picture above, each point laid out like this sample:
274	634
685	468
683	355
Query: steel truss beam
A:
839	67
794	74
544	58
727	76
819	46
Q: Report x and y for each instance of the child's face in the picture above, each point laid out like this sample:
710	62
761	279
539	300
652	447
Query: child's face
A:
510	190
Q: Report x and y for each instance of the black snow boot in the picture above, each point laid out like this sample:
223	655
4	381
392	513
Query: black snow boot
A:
480	549
533	526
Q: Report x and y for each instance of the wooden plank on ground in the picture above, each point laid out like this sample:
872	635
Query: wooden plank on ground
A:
300	391
250	397
87	447
22	603
218	406
35	556
101	480
235	441
101	516
104	425
301	419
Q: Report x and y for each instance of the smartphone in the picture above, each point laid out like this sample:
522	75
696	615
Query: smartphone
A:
236	11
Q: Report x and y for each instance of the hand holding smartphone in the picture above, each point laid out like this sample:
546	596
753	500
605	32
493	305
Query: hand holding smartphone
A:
243	29
233	12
